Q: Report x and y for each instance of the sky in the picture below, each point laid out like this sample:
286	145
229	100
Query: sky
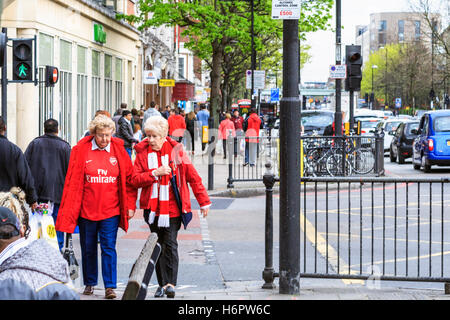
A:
353	13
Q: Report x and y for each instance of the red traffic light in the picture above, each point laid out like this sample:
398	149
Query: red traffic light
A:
51	76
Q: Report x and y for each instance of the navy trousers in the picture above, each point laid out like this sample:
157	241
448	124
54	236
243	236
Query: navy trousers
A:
106	232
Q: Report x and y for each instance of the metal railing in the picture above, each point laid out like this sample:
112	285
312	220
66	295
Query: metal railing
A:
370	228
322	156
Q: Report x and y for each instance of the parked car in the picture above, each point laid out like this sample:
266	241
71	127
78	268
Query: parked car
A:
368	125
316	121
432	145
389	127
402	140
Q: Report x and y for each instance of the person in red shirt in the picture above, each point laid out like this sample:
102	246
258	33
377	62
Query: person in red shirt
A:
226	129
99	197
177	125
254	123
159	161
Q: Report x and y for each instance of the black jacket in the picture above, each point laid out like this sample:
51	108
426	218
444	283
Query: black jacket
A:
125	133
14	170
48	157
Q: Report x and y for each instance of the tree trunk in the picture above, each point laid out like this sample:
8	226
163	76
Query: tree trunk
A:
217	58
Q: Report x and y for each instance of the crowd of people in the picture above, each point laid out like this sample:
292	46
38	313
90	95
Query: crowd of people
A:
92	189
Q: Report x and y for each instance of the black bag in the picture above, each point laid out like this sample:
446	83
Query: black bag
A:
185	217
69	256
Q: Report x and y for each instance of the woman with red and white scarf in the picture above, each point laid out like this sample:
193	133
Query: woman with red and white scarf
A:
158	159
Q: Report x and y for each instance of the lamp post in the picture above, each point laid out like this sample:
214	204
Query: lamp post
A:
374	66
385	75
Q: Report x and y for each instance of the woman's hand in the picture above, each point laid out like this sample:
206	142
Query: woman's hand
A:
162	171
204	212
130	214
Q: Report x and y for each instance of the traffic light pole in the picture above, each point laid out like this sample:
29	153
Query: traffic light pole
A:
289	256
338	112
5	81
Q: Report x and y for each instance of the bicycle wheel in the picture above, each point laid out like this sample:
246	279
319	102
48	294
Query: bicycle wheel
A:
334	165
362	161
310	167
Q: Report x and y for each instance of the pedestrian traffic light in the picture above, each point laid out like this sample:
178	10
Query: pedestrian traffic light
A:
3	42
354	63
51	76
23	60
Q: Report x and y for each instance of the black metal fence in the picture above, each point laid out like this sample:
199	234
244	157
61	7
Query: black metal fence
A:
370	228
322	156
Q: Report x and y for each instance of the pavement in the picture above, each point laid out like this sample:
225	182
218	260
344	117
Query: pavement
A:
197	256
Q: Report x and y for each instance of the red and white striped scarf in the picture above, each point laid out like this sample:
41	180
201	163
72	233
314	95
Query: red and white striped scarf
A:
160	188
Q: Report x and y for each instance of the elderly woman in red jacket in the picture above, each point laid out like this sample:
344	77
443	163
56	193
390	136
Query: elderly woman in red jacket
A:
99	198
158	159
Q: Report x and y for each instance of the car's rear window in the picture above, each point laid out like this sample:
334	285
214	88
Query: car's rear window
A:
410	127
442	124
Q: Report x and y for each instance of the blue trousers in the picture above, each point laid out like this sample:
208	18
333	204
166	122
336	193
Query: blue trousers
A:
59	234
106	231
129	150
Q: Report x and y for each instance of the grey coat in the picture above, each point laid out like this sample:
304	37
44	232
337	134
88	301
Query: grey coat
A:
42	268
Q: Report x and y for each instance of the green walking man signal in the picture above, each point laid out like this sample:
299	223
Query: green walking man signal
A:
22	71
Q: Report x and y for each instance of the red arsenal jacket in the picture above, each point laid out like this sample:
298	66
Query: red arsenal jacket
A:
72	197
185	171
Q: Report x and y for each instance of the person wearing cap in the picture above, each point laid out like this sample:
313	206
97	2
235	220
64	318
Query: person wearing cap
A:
126	132
99	198
14	169
33	269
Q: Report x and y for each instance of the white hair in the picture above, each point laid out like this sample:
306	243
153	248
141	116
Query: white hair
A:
158	125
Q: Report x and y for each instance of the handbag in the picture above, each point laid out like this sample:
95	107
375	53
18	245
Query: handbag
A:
186	217
69	256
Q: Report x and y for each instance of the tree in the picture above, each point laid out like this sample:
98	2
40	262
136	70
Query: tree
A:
215	28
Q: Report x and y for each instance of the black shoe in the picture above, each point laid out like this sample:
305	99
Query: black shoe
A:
159	292
246	164
170	292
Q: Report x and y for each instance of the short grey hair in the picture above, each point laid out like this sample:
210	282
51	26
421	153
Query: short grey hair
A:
159	125
101	122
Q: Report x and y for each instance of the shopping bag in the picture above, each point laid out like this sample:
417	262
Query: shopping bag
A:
48	231
69	256
34	221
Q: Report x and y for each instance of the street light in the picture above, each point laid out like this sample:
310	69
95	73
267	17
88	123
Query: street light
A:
374	66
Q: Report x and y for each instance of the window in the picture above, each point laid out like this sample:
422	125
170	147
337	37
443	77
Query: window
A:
46	107
382	26
95	103
65	90
181	68
417	30
118	83
108	84
81	92
401	30
381	39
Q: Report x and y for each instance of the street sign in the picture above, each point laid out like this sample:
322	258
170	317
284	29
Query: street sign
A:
150	77
274	95
167	82
338	71
259	79
398	103
286	9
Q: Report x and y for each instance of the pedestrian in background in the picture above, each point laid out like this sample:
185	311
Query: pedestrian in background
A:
252	127
135	117
126	132
151	112
158	158
48	157
137	132
190	129
203	117
166	112
177	125
226	130
99	197
14	169
118	114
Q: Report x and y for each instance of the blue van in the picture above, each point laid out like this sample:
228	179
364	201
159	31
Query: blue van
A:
432	145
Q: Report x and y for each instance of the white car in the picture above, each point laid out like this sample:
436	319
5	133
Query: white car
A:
389	126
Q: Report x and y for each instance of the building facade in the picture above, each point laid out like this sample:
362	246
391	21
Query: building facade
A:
99	60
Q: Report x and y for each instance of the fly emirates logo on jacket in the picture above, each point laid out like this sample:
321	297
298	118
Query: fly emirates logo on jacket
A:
102	172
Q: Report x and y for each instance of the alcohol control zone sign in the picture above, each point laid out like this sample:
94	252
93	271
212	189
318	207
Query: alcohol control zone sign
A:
286	9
